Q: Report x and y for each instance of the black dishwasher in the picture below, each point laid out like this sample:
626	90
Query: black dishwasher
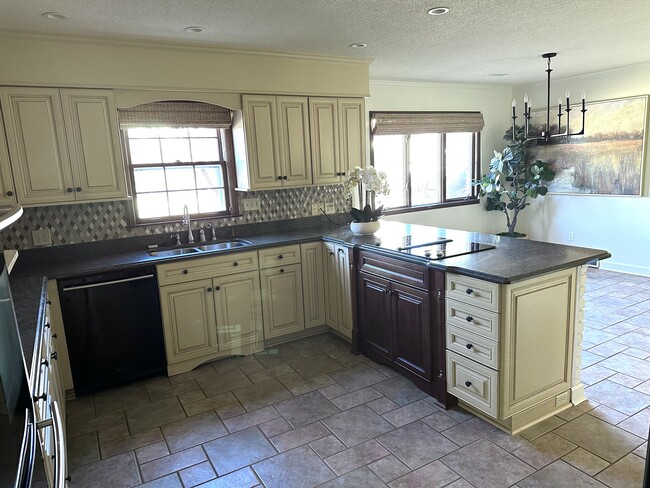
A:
113	327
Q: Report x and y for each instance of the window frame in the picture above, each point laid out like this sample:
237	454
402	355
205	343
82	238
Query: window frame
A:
226	152
445	202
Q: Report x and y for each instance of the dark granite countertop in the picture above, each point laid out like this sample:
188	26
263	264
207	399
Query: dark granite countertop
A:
511	260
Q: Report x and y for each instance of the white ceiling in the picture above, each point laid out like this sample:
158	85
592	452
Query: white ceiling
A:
476	39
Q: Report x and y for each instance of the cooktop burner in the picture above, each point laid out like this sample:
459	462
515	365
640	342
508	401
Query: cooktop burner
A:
444	248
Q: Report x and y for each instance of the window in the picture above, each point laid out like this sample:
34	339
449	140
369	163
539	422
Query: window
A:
430	158
179	153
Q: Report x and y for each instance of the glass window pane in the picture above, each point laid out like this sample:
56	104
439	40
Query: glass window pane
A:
212	201
180	178
144	151
149	179
166	132
179	198
142	132
202	132
152	205
175	150
209	177
459	164
424	155
204	150
389	157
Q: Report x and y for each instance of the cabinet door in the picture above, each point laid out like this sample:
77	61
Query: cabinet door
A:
293	136
411	330
188	320
282	300
238	308
313	283
323	116
93	141
332	304
37	145
374	314
260	121
345	291
352	130
7	195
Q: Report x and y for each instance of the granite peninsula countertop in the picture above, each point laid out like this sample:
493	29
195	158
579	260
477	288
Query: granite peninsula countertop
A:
509	261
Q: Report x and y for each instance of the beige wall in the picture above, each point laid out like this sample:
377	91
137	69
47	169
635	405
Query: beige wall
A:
619	224
493	102
83	62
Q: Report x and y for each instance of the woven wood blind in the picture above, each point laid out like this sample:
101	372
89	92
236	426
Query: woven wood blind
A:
175	114
389	123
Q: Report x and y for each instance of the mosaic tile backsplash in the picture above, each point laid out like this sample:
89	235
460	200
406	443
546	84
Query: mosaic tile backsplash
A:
73	224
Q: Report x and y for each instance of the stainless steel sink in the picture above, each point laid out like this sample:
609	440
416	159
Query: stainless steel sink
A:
220	246
173	252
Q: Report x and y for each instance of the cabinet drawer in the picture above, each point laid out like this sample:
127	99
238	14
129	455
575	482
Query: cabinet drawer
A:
200	268
472	291
473	346
472	383
473	319
279	256
404	272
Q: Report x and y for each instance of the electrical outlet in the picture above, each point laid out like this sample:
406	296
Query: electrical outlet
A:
251	204
315	209
41	237
329	208
570	236
562	399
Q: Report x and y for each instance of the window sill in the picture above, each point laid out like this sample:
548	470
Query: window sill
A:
434	206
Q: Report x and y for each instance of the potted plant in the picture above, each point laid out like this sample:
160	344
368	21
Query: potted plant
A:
368	182
513	179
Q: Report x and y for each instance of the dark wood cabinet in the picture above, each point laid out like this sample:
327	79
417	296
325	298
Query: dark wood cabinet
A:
401	320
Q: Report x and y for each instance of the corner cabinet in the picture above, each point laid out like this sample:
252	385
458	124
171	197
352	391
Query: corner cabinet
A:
338	289
313	283
63	144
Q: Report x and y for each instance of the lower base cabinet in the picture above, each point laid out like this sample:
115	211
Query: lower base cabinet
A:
282	303
338	292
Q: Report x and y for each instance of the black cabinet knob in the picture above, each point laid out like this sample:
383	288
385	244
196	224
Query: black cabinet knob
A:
387	291
49	302
69	190
468	384
281	270
469	291
40	397
54	336
280	256
469	318
78	189
209	289
340	250
217	288
469	346
185	271
54	356
10	193
46	325
343	173
235	263
285	178
279	177
331	253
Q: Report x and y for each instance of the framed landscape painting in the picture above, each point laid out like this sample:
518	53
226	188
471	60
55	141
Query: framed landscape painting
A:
608	159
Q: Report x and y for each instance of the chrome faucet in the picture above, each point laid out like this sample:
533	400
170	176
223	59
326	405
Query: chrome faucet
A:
214	235
187	221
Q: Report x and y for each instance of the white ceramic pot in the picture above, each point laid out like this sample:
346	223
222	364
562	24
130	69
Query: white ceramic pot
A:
364	228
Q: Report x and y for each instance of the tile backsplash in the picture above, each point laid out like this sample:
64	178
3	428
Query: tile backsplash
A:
87	222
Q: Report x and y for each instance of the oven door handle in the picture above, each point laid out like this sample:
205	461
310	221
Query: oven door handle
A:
59	446
27	454
107	283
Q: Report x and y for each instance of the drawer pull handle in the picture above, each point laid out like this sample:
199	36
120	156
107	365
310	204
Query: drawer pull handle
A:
78	189
469	346
281	270
209	290
69	190
469	291
469	318
54	336
235	263
185	271
217	288
280	256
54	356
10	193
468	384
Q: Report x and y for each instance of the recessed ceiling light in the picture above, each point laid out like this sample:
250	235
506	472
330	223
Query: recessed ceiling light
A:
195	29
438	11
498	74
54	16
359	45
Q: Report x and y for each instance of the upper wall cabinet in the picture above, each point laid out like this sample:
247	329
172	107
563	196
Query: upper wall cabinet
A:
277	143
7	195
63	144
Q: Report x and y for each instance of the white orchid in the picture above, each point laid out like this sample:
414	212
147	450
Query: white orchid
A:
369	182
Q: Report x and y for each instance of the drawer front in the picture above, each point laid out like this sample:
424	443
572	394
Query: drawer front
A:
279	256
473	346
475	292
200	268
404	272
472	319
472	383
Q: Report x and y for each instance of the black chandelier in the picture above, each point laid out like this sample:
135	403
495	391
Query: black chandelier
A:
546	132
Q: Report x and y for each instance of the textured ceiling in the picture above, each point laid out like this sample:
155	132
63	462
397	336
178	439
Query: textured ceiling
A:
477	39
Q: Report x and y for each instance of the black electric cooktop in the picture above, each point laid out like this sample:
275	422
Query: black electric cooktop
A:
441	248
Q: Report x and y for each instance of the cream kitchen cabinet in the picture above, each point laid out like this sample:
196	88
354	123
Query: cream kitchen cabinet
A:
277	143
211	307
63	145
282	299
510	347
337	137
7	194
313	283
338	290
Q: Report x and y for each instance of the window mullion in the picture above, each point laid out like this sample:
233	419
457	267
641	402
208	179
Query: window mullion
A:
407	170
443	168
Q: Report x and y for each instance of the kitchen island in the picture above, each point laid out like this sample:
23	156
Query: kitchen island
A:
504	380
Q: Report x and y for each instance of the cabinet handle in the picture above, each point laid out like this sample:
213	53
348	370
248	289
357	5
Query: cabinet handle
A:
468	384
281	270
469	346
49	302
469	291
338	173
46	325
54	356
343	173
235	263
69	190
284	178
279	178
209	289
78	189
340	250
387	291
10	193
280	256
185	271
54	336
331	253
217	288
469	318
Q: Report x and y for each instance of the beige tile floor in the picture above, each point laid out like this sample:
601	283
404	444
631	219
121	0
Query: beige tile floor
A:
309	414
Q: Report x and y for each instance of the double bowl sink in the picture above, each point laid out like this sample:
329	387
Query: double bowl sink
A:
211	247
